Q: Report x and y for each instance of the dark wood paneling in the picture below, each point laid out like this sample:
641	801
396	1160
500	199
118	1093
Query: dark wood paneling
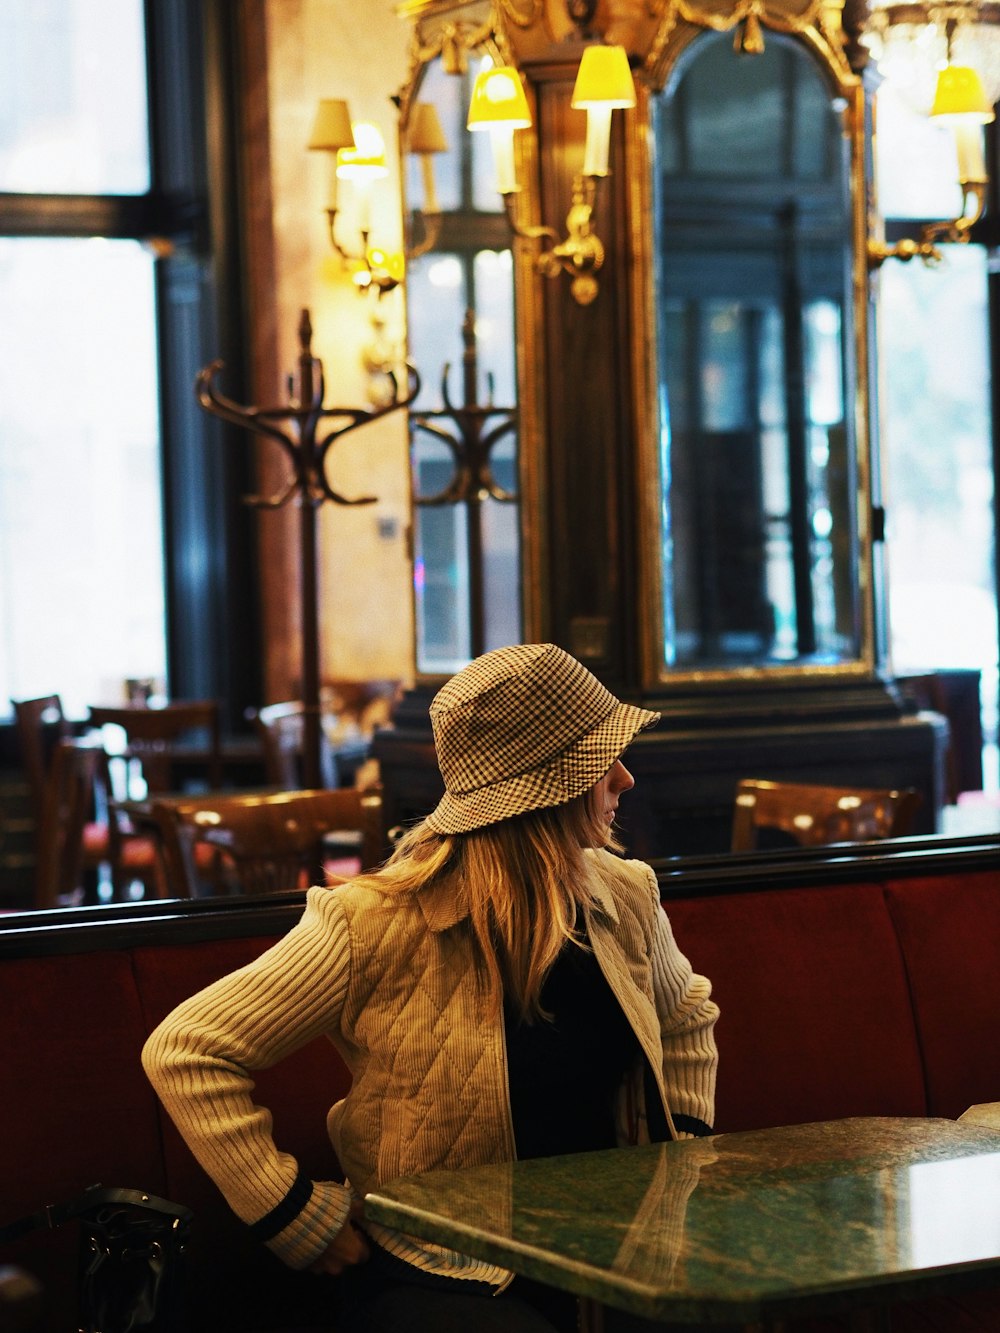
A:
686	769
212	609
589	425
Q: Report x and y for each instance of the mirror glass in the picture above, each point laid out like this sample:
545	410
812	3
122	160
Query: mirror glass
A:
756	361
463	425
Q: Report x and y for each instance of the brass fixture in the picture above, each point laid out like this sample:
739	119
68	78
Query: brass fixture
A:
961	104
358	157
499	105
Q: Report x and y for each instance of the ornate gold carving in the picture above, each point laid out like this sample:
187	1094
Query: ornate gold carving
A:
452	42
522	13
751	14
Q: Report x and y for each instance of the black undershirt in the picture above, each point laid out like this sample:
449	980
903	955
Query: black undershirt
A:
564	1072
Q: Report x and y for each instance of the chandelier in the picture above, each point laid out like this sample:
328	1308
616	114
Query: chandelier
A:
911	42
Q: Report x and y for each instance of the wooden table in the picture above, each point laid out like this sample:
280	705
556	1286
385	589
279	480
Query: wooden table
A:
747	1228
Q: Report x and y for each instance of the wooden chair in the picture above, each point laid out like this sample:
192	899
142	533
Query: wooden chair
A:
40	725
158	737
811	815
158	740
266	842
43	732
280	730
77	776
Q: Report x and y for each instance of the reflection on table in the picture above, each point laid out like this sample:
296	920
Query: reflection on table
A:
741	1227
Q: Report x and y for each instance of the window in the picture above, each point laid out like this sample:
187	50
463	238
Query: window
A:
936	426
123	544
81	552
81	560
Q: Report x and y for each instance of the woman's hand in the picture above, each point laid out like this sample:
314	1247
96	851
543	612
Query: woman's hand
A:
348	1246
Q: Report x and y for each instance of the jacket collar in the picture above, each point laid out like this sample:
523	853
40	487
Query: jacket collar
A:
442	907
604	900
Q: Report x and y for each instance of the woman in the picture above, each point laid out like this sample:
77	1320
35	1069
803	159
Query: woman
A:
503	987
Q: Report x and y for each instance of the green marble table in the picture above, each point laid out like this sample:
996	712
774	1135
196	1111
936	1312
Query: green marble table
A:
742	1228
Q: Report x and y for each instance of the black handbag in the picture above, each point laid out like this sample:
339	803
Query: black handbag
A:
131	1257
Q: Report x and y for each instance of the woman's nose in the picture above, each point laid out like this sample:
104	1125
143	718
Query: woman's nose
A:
622	779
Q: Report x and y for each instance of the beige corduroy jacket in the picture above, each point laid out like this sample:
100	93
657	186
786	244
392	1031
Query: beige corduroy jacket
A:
392	982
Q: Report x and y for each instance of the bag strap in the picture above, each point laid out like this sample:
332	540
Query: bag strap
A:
54	1215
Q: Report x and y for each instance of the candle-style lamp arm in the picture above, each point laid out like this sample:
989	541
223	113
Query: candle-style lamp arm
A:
580	253
431	229
950	231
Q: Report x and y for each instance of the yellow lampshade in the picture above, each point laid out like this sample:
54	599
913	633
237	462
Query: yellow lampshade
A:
426	134
332	127
366	160
389	262
498	99
960	92
604	78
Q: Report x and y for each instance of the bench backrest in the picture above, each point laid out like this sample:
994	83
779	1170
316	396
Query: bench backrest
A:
879	996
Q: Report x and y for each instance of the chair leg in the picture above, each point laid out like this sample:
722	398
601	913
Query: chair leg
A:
589	1315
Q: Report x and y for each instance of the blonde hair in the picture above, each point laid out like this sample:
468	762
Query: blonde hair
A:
521	882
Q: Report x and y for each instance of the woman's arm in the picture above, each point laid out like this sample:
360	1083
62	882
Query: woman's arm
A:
200	1061
687	1016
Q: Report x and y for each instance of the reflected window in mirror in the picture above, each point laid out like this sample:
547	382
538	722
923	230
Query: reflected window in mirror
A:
756	354
466	539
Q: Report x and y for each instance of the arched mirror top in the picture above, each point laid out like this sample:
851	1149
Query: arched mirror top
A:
791	146
445	34
817	26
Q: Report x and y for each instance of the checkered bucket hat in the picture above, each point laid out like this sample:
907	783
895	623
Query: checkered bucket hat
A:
523	728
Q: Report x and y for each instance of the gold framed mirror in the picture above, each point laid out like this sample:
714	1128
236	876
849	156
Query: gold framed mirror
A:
762	444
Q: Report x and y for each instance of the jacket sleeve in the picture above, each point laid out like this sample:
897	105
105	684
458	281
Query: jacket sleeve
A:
687	1015
200	1060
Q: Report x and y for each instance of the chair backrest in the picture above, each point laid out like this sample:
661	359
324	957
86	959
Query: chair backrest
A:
40	726
79	769
280	728
813	814
268	842
155	735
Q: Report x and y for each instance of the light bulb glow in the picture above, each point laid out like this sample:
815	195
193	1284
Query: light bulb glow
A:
366	161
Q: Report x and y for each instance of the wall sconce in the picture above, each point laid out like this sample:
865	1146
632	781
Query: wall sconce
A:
959	103
358	157
425	138
498	104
